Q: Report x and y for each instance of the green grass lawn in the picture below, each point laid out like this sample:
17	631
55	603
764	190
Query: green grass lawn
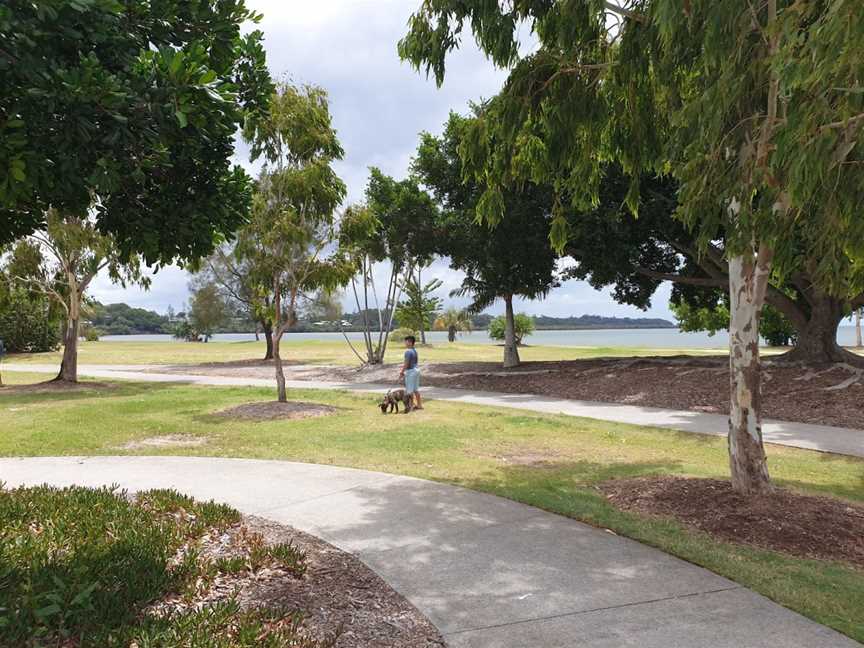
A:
553	462
317	352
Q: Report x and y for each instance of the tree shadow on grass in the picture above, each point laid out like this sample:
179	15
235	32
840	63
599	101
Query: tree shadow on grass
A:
49	392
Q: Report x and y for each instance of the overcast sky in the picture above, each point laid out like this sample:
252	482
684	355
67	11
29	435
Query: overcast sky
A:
379	105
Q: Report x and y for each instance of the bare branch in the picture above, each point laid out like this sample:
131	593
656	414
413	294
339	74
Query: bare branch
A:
621	11
710	282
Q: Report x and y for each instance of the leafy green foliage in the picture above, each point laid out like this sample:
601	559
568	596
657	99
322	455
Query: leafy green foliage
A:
27	324
774	328
523	325
80	565
293	209
122	319
514	257
225	625
396	225
207	310
130	106
453	320
401	332
758	114
420	307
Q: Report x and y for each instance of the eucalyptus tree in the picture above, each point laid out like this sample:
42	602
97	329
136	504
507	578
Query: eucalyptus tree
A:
75	252
129	108
756	109
234	268
512	258
292	224
392	231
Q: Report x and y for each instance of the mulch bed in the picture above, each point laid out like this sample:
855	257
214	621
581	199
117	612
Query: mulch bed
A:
273	410
338	595
804	526
790	393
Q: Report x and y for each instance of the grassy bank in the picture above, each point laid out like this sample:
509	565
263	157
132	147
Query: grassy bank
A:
553	462
317	352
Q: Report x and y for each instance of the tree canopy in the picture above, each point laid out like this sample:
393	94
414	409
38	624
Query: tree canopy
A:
293	220
756	111
128	108
513	257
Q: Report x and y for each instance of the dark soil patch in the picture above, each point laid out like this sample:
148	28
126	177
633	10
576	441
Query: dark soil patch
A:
273	410
336	594
800	525
790	392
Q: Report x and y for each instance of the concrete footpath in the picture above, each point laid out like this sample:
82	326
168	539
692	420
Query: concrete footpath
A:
488	572
823	438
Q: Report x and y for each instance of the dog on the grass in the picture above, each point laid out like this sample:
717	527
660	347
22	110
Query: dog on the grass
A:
392	399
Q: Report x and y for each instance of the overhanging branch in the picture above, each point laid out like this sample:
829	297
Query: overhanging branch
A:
706	282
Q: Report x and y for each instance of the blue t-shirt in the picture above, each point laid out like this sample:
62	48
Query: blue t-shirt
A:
411	358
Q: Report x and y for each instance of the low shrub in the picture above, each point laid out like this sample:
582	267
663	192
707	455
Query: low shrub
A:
78	566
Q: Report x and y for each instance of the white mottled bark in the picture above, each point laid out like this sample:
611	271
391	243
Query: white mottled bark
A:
748	280
511	352
858	342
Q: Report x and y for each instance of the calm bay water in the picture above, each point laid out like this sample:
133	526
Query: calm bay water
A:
652	338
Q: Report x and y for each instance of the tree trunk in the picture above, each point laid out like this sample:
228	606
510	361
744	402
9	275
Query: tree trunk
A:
858	342
511	353
267	327
748	279
817	338
451	333
69	364
282	395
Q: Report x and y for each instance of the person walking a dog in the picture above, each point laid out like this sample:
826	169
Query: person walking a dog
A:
411	372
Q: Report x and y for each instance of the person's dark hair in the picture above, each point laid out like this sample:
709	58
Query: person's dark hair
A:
412	338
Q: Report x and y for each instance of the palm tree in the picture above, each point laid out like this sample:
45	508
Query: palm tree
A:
453	320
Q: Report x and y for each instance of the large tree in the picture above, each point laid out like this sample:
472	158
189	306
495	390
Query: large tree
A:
393	230
207	308
130	108
756	109
292	224
75	252
511	258
635	255
243	281
30	321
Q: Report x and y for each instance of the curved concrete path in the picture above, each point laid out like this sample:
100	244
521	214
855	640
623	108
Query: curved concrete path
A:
823	438
489	572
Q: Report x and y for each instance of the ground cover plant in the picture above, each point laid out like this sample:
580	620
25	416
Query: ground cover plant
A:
81	566
556	463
